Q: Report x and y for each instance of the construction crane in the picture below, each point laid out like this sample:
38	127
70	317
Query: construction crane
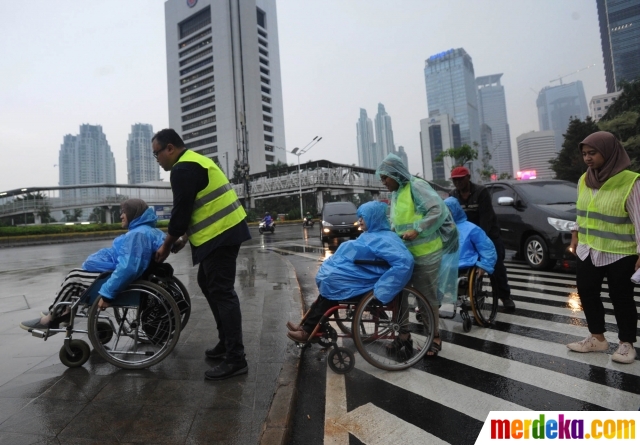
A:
571	74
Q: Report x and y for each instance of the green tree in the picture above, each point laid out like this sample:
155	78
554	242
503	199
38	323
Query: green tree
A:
460	155
72	215
629	100
568	165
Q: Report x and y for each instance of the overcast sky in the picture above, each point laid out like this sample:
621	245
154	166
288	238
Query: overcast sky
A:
65	63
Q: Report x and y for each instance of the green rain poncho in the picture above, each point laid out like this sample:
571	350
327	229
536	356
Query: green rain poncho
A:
432	220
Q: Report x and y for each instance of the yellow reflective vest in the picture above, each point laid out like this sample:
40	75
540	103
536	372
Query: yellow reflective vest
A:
604	222
216	207
403	218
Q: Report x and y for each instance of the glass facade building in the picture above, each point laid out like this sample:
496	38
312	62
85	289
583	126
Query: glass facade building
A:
384	134
493	113
141	165
451	90
366	141
557	105
620	37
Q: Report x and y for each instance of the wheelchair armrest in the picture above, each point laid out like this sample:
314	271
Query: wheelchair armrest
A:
372	262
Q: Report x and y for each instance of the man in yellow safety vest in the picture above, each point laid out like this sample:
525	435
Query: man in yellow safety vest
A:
206	211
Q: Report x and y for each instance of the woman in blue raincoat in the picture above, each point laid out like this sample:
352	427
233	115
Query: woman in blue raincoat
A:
420	216
339	278
128	258
476	248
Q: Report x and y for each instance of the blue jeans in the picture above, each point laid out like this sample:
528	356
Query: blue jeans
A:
216	278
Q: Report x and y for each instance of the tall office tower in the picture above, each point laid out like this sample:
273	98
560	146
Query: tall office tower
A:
366	143
141	165
492	106
620	36
558	105
86	159
223	72
402	155
451	90
535	150
438	133
384	134
598	105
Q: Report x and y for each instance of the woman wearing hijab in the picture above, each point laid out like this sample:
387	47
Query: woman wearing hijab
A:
423	221
128	258
605	239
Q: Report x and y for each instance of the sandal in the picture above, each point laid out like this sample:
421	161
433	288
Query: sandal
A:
434	349
401	349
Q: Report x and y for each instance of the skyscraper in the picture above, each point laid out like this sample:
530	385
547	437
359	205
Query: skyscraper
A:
535	150
366	142
384	134
438	133
492	106
237	113
86	159
402	155
451	90
141	165
620	37
557	105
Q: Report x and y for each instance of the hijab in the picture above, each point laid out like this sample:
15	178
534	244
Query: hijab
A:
393	167
615	157
133	208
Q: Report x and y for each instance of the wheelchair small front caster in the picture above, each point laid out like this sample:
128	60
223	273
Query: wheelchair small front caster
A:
80	354
341	360
466	321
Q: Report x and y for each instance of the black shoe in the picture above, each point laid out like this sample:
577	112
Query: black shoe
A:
225	370
219	351
508	304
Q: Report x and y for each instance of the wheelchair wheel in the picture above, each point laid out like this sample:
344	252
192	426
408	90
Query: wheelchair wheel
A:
180	295
344	318
341	360
483	302
391	337
145	326
80	350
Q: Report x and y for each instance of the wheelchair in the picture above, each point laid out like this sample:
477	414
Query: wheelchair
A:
475	294
138	330
391	337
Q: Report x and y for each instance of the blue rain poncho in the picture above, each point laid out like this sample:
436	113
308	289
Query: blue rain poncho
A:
129	256
476	249
339	278
442	265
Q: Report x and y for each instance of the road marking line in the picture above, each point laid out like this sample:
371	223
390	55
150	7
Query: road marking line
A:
375	426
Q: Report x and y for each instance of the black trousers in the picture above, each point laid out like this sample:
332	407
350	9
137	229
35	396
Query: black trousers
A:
500	271
216	278
590	278
316	311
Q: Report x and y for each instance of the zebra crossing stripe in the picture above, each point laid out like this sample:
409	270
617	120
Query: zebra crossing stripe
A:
374	426
559	383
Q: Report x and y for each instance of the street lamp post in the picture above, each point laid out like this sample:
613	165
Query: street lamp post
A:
296	151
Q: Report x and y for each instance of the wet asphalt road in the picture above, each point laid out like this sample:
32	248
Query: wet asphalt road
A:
521	363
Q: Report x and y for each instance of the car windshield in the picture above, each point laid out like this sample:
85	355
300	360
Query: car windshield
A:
549	192
340	209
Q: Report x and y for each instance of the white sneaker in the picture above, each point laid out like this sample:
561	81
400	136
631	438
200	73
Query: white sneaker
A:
589	344
626	353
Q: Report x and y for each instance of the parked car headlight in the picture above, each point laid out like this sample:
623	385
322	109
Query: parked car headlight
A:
561	225
326	224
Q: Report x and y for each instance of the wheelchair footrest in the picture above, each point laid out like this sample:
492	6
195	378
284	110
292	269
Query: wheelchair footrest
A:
39	334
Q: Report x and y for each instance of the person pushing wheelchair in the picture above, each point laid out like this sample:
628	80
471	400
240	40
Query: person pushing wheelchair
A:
340	278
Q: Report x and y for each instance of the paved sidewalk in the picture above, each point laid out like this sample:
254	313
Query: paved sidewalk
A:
43	402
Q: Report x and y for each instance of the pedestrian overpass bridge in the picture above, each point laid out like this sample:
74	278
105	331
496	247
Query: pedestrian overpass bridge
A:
315	177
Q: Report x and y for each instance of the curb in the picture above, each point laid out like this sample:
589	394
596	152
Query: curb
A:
276	428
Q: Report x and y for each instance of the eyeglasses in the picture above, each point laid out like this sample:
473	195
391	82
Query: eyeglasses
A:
156	153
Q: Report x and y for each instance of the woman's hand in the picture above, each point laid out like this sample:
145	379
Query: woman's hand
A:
574	242
410	235
103	303
638	264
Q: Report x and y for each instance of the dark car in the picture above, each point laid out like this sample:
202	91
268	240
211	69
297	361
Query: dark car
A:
535	218
339	219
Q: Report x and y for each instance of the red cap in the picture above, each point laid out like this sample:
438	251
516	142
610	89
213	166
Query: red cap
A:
460	172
